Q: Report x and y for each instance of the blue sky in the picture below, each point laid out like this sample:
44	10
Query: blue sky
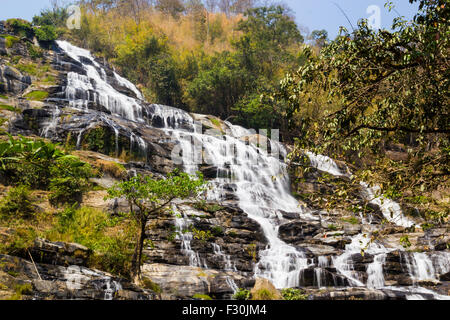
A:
324	14
313	14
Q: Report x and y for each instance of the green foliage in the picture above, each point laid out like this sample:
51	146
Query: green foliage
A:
268	33
20	241
10	41
152	197
34	51
37	95
202	297
39	164
352	220
202	235
9	108
263	294
56	17
332	227
293	294
20	290
157	193
404	241
149	284
91	228
242	294
46	33
18	203
20	27
70	179
207	207
369	90
217	231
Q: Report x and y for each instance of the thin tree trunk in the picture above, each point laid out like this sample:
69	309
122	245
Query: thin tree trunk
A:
137	256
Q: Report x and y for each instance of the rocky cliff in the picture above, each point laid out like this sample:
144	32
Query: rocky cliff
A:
68	96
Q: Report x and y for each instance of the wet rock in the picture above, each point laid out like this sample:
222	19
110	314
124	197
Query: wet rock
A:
290	215
357	294
445	277
185	281
63	283
59	253
297	231
322	277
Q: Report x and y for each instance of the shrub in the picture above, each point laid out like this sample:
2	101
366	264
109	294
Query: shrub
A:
20	290
18	243
149	284
263	294
108	238
34	52
46	33
21	27
293	294
18	203
70	179
242	294
39	164
11	41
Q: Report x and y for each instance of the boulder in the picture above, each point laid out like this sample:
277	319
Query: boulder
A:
265	290
296	231
59	253
11	80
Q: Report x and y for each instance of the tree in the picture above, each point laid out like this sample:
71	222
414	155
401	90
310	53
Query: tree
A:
148	197
268	34
172	7
382	88
320	37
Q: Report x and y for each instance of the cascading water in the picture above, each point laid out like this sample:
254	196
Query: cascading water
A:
260	180
183	224
420	265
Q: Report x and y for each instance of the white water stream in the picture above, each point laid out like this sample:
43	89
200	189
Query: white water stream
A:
260	179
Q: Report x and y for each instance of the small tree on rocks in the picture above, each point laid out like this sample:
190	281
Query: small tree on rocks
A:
147	197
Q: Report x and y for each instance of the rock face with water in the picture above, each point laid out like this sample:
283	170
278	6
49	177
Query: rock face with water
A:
53	280
255	227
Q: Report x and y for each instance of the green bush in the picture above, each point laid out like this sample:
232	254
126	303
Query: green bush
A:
20	290
11	41
149	284
46	33
18	203
39	164
20	27
293	294
242	294
92	228
70	179
34	51
263	294
19	242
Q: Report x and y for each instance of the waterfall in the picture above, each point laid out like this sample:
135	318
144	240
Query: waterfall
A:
260	182
92	87
183	233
